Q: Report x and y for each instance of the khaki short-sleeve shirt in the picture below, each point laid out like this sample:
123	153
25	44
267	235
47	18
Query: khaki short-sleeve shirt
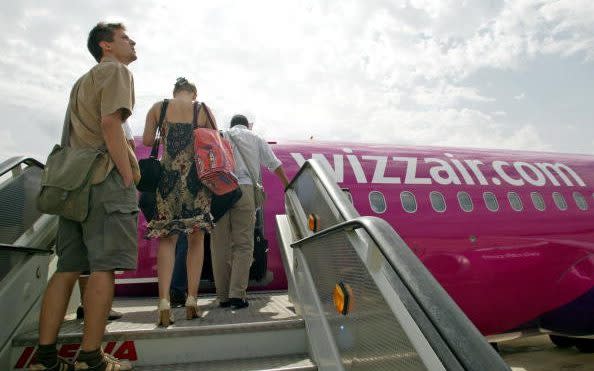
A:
105	89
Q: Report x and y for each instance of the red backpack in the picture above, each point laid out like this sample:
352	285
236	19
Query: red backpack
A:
213	157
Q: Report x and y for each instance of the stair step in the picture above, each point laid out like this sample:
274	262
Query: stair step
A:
267	328
298	362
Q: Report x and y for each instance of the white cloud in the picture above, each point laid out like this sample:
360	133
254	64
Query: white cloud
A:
445	95
383	70
520	96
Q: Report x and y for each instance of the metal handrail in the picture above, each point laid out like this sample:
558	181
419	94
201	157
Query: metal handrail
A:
470	348
435	311
13	162
25	249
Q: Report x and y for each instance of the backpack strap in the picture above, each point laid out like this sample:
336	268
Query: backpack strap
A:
197	109
155	149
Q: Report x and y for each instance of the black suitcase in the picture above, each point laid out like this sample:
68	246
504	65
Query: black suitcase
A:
260	264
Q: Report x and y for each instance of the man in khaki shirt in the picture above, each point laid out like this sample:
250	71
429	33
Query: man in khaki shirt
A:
106	241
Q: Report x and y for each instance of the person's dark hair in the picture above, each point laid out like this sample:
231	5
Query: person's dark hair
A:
239	120
183	84
101	32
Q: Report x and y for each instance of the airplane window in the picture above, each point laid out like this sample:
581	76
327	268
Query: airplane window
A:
409	202
491	201
538	201
465	201
515	201
377	202
559	201
437	202
580	201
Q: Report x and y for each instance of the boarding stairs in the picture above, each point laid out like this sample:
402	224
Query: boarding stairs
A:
396	316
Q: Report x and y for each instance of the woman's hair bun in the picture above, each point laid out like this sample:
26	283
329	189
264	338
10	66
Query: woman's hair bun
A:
181	81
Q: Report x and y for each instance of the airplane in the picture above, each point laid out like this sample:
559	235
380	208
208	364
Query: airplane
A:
508	234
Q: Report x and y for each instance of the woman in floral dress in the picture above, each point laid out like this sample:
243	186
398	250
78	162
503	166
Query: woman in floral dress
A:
183	202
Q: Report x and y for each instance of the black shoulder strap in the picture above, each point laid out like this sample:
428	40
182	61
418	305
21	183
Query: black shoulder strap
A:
155	149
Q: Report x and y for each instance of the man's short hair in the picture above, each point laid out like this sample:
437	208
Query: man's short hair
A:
101	32
239	120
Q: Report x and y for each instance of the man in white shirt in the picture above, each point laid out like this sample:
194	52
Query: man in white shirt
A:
232	239
128	134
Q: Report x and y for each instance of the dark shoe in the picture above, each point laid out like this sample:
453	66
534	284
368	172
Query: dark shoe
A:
237	303
61	365
80	312
225	304
178	299
113	315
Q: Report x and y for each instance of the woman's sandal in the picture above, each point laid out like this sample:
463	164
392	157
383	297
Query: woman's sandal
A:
165	314
192	309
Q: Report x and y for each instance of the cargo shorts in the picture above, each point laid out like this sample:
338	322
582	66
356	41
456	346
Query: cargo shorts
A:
108	239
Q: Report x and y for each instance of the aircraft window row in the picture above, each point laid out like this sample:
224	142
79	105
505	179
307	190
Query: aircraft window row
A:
409	202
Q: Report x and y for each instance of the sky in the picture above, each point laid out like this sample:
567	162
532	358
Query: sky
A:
514	74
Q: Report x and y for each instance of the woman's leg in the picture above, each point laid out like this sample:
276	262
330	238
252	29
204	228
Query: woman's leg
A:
194	261
165	261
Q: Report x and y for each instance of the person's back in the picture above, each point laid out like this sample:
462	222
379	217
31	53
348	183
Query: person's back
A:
183	202
180	111
254	153
232	240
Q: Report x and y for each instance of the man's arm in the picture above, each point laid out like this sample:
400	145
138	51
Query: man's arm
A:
111	125
269	159
280	173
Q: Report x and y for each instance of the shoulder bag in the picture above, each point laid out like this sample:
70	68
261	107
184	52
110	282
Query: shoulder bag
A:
66	177
150	173
150	168
213	157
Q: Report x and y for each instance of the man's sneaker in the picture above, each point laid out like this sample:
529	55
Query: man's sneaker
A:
113	315
61	365
237	303
110	363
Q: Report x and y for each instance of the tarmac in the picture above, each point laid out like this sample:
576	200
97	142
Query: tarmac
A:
537	353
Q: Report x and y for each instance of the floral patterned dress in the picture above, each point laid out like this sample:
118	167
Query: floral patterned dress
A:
183	202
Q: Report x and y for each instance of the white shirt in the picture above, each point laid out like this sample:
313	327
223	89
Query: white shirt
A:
255	150
127	130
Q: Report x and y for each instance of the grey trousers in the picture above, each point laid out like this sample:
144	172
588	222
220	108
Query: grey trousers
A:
108	239
232	247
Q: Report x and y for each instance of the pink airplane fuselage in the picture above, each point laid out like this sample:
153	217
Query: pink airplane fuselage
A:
507	269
